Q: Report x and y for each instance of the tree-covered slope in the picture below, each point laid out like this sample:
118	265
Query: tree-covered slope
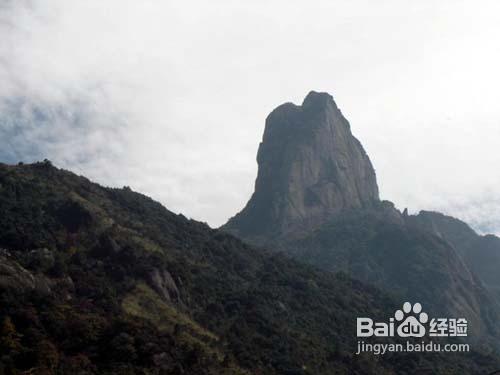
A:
107	281
382	247
480	253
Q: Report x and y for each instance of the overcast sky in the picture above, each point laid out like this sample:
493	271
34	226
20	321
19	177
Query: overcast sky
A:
170	97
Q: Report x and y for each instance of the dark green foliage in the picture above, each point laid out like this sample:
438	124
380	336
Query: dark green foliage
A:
379	246
107	281
480	253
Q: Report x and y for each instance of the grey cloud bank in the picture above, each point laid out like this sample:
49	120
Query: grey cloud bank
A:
170	98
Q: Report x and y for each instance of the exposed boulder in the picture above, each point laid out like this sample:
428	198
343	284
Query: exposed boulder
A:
163	283
15	278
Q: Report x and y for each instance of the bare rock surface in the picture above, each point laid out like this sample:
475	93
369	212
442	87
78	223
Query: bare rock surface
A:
310	168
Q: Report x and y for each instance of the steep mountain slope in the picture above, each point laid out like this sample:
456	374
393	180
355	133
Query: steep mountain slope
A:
382	247
480	253
107	281
314	174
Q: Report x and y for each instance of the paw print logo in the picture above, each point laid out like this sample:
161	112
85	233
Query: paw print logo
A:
411	326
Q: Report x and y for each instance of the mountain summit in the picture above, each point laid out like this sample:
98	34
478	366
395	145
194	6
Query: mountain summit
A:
310	167
316	199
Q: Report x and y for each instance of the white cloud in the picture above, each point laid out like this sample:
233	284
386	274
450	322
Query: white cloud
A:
170	97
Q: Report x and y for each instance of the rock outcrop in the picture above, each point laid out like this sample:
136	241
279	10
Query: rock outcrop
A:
17	279
310	168
164	284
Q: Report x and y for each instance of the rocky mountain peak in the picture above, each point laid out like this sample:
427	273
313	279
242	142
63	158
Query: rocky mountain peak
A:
318	100
310	168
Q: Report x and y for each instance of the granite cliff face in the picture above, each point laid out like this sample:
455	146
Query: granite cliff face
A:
310	168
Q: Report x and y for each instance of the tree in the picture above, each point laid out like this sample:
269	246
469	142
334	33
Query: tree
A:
10	339
48	356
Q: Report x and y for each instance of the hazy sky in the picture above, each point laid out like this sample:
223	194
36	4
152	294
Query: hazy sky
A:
170	97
